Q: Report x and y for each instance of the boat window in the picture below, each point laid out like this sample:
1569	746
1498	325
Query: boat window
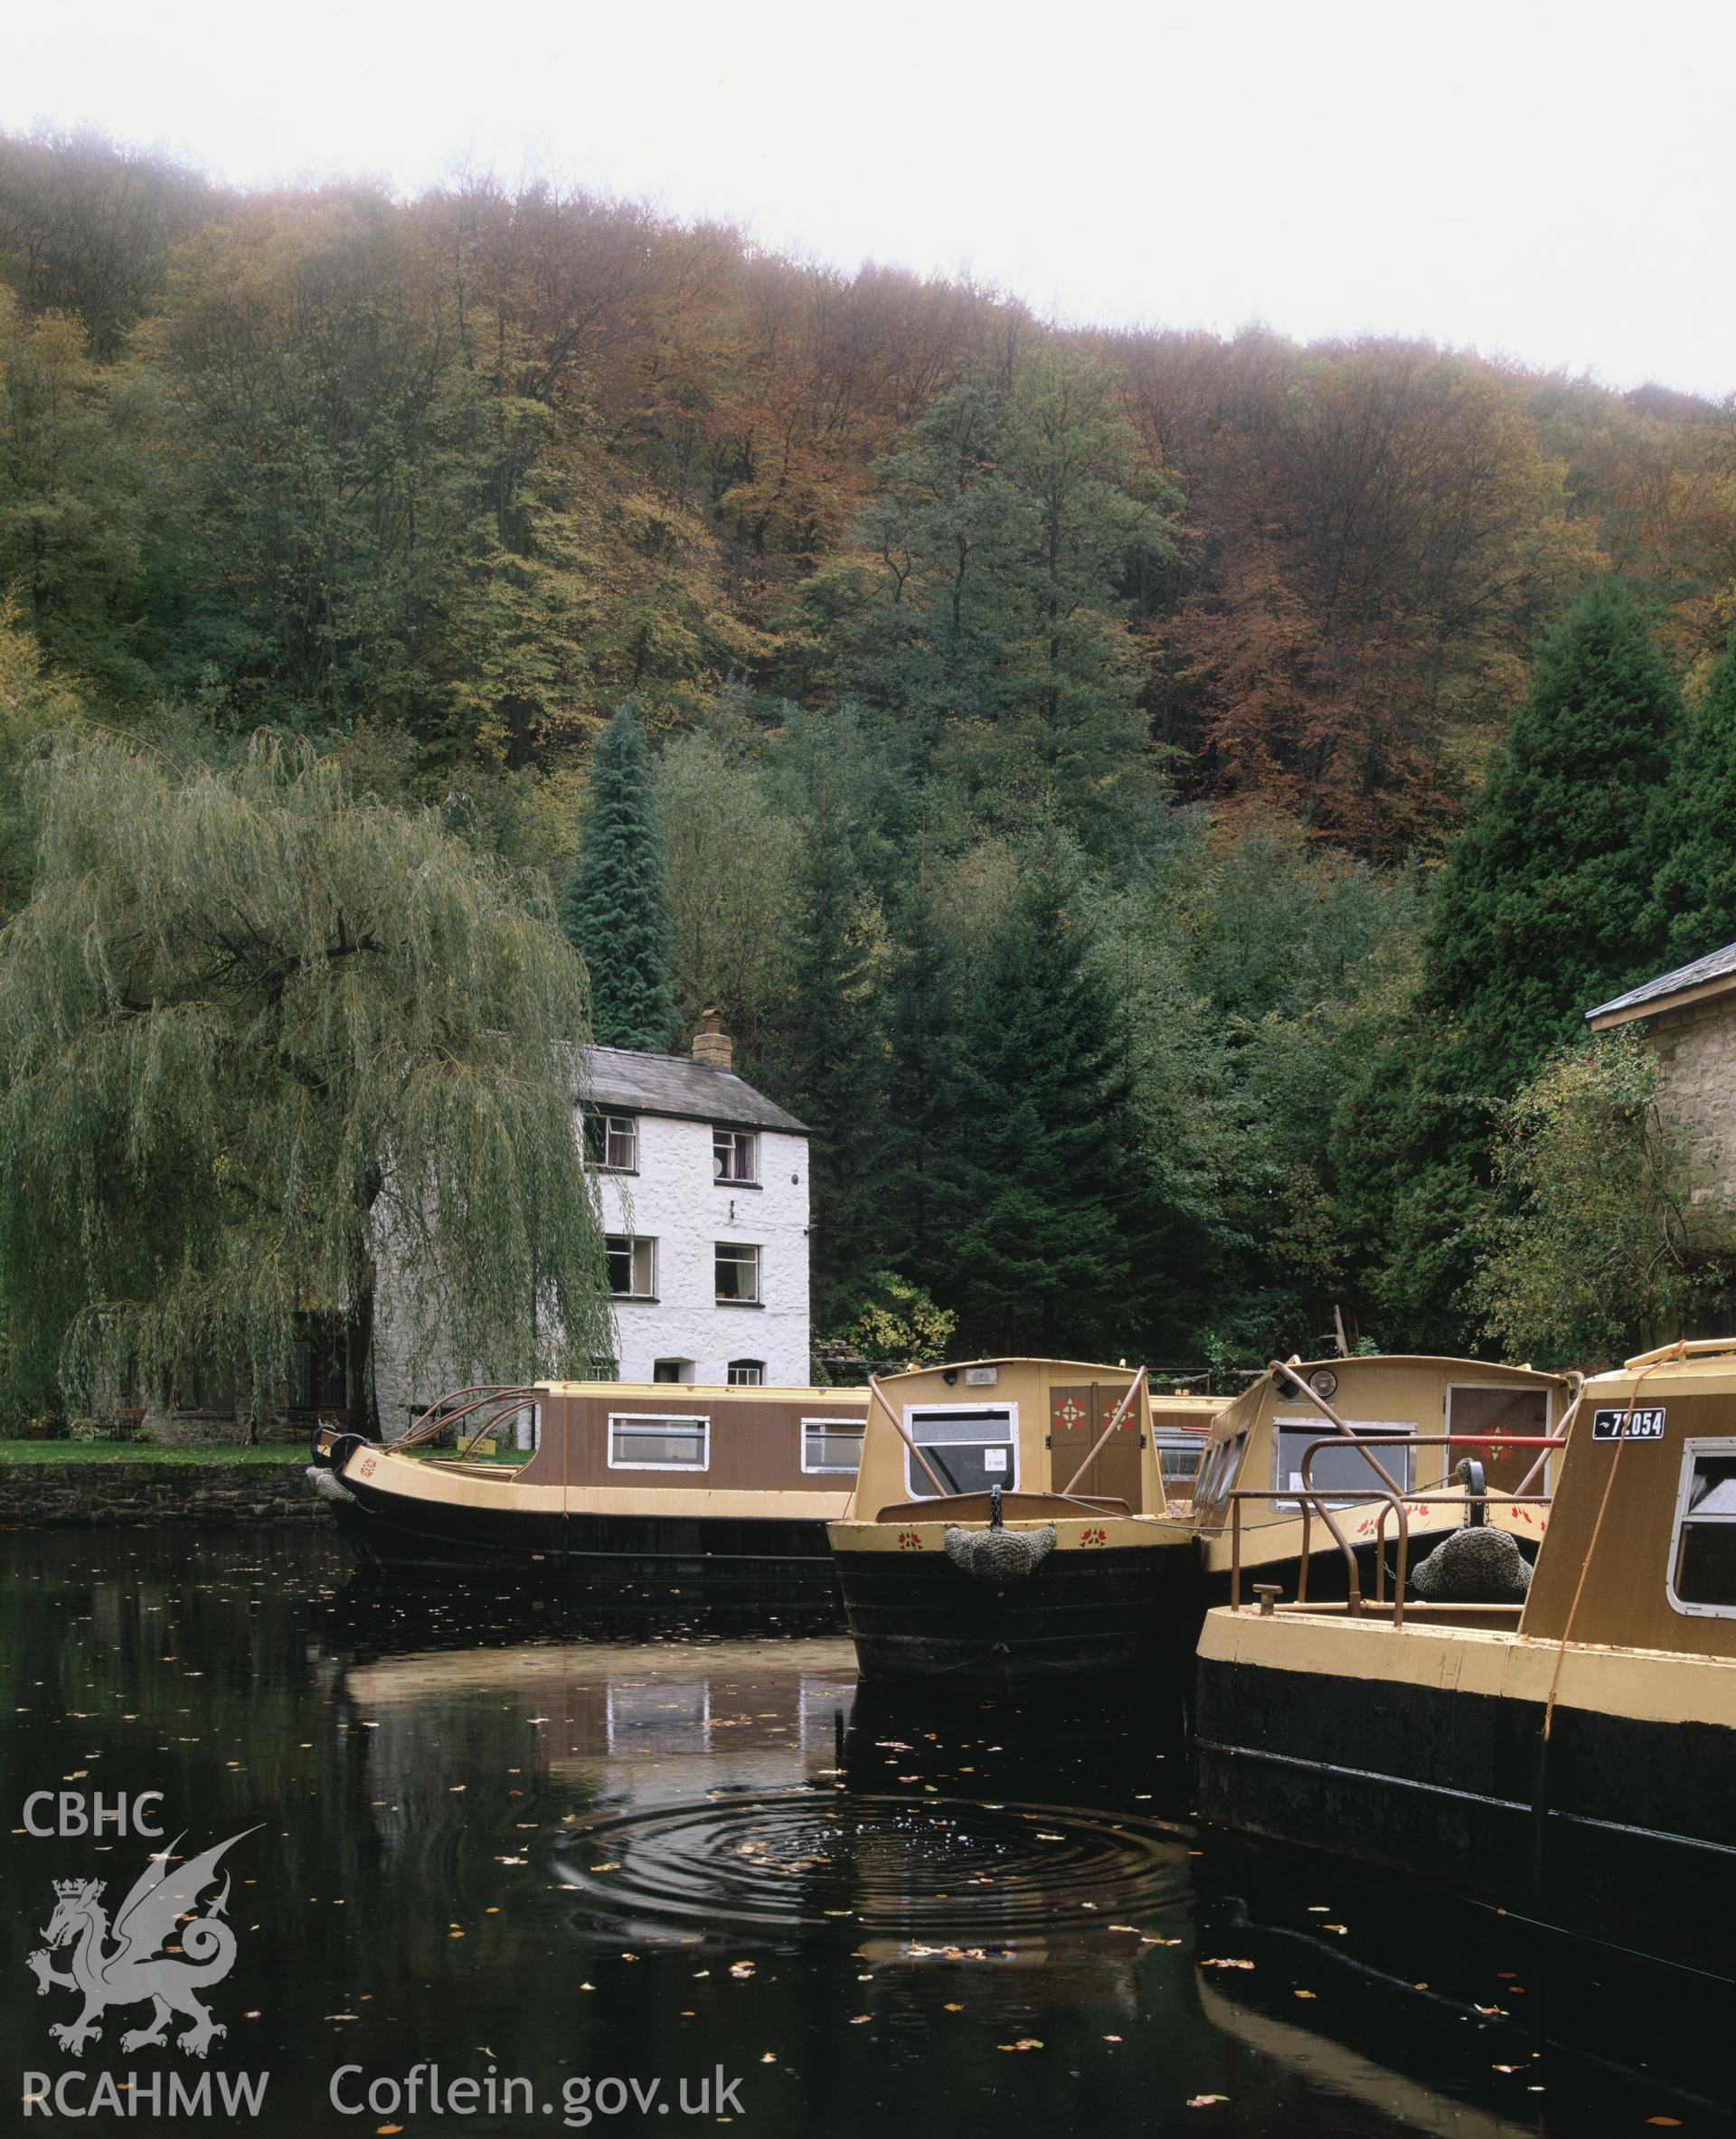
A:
1339	1469
637	1442
1218	1472
1179	1458
1702	1552
969	1449
832	1445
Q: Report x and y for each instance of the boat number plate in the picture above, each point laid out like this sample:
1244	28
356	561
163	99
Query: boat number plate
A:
994	1459
1621	1425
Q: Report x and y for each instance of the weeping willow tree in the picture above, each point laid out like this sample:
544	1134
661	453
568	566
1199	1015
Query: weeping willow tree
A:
261	1042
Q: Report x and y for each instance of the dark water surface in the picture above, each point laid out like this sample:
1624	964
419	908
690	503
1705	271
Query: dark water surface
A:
520	1847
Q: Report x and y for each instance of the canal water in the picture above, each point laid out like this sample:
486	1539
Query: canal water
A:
503	1870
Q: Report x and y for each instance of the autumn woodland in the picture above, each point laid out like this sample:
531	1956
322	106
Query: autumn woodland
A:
1079	757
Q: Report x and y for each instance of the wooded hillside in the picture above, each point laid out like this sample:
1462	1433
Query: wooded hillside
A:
1047	716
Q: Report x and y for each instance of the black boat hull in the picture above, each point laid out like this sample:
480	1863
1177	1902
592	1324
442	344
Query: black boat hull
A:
622	1559
1622	1828
1130	1613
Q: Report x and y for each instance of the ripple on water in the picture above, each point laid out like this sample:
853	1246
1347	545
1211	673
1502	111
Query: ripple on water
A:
880	1864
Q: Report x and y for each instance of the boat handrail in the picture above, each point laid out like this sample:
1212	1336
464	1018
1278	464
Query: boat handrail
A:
1394	1500
510	1396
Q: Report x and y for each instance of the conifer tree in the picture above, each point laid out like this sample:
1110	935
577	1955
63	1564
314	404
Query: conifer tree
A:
1035	1202
1545	905
828	1064
1697	880
615	906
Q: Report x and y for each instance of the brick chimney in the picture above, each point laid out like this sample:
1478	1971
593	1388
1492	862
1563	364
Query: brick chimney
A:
713	1044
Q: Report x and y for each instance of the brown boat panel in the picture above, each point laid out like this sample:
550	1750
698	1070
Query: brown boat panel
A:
1015	1507
754	1445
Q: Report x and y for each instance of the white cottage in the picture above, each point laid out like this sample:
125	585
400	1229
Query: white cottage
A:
703	1186
703	1182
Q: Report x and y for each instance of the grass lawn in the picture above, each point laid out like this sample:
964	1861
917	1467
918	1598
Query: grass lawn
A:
152	1452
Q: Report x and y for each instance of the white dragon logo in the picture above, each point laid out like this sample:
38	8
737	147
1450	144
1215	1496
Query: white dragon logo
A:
135	1970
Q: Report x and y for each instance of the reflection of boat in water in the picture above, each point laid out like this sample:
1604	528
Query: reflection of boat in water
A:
622	1492
1419	1421
1011	1527
1573	1757
1443	2015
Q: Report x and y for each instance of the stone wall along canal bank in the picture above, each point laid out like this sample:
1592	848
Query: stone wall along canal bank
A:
107	1493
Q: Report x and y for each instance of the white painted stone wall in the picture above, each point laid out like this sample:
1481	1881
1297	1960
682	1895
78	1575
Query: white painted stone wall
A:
1697	1058
675	1199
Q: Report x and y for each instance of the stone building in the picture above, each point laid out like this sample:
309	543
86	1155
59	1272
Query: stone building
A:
703	1188
1690	1020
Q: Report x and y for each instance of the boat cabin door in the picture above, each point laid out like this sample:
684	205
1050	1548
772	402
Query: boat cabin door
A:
1077	1417
1498	1410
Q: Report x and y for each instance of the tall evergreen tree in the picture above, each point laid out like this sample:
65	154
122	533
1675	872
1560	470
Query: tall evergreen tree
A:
1033	1201
1696	881
615	906
1545	904
1545	907
828	1064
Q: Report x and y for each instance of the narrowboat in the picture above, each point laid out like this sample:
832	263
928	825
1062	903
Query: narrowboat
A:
1011	1526
627	1493
1571	1758
1361	1431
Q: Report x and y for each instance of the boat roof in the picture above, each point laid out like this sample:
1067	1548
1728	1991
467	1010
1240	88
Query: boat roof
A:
713	1392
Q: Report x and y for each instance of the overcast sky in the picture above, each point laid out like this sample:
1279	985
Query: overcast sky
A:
1553	180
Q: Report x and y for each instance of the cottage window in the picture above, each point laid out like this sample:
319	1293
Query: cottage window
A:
832	1445
969	1449
1339	1467
612	1143
738	1274
632	1266
672	1370
642	1443
747	1374
1702	1551
735	1155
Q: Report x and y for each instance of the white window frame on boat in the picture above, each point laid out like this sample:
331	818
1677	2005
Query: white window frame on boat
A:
834	1470
1708	1444
1323	1429
1219	1471
665	1418
1009	1412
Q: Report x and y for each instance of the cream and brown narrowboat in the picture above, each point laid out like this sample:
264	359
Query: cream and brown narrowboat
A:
1012	1526
1359	1430
624	1492
1571	1758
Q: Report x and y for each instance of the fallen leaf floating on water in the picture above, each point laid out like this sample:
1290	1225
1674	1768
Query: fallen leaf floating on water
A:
741	1968
383	2131
954	2009
1225	1964
1673	2121
1307	1993
1111	2039
861	2019
771	2058
1204	2101
1023	2042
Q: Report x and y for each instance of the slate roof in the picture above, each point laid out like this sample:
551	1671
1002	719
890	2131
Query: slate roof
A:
684	1090
1702	973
